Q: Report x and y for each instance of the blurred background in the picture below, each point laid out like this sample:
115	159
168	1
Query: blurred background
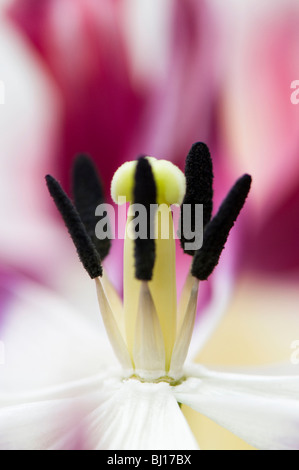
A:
119	78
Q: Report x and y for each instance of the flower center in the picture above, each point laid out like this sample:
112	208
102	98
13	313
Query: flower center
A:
149	334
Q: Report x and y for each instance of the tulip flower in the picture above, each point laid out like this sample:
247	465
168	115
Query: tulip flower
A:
137	406
44	346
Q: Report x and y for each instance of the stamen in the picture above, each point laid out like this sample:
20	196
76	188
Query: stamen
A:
115	337
217	231
182	343
149	351
199	186
88	194
145	193
115	302
86	250
184	299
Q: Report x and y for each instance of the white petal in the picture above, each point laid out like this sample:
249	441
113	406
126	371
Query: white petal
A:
264	411
66	390
140	416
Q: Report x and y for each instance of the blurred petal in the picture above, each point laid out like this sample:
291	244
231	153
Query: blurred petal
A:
47	342
28	133
54	424
106	87
180	109
260	125
264	411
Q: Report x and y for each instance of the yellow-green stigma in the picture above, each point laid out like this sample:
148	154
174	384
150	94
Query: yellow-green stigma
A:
170	182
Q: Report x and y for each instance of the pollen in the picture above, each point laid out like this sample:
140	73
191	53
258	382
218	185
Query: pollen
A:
169	179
